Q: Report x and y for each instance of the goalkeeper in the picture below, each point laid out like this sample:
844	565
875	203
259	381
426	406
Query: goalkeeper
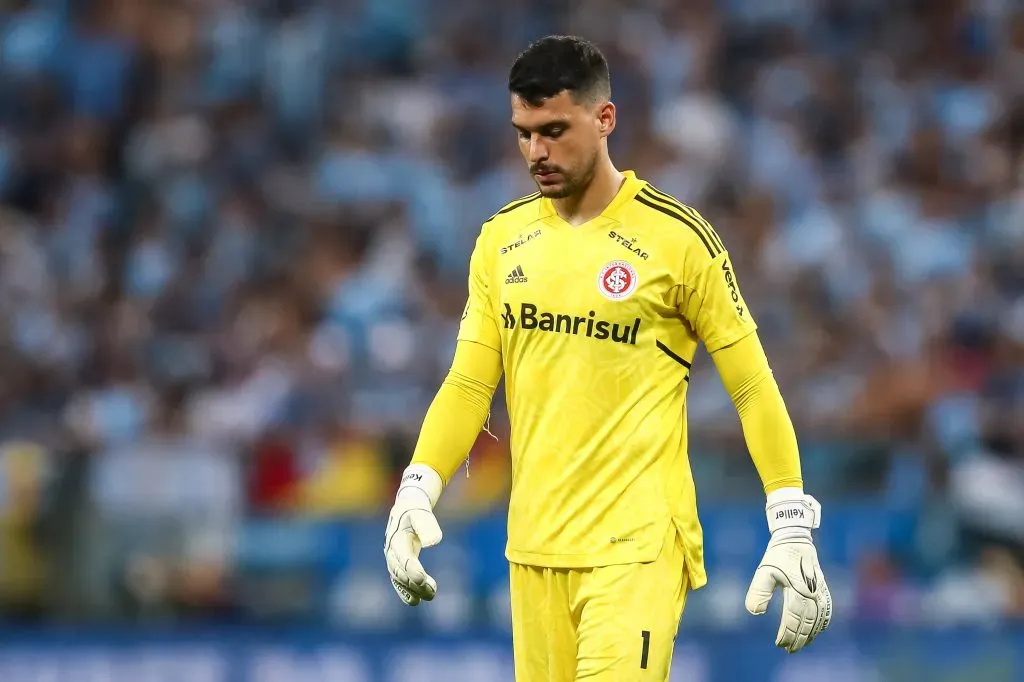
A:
591	296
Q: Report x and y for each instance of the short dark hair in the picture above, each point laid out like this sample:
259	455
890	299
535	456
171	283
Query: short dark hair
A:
560	63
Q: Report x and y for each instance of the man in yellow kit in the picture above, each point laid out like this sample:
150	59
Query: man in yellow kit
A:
591	296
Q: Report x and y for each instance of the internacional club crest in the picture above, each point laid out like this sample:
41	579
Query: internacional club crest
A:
617	280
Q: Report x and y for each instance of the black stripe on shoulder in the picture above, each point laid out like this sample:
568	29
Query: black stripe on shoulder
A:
513	205
678	215
668	200
522	201
690	211
668	351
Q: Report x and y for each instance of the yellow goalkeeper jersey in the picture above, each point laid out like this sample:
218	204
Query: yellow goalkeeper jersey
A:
597	326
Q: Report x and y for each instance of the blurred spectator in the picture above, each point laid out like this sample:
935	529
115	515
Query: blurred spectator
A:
345	475
24	563
274	475
169	503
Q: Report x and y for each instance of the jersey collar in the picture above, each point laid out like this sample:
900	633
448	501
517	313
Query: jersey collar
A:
630	186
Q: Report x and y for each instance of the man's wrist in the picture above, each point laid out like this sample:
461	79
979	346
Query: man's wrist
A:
420	478
791	508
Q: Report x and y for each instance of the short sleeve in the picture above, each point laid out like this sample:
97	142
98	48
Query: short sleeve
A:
478	322
709	298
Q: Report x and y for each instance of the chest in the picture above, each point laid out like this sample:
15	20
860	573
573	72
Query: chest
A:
600	272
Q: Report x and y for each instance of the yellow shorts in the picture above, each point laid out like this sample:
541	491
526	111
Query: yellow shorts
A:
605	624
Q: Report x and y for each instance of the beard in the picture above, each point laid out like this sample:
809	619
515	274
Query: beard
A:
560	191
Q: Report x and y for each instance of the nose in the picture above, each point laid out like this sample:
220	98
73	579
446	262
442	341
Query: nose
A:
538	149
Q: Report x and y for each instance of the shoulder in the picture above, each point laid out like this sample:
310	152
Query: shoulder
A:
517	213
510	222
674	222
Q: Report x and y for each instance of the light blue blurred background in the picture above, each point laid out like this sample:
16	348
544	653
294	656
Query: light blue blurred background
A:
234	237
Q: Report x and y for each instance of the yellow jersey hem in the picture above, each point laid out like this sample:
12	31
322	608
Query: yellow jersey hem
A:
629	555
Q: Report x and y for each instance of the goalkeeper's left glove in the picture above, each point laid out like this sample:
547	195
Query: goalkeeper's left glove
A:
791	562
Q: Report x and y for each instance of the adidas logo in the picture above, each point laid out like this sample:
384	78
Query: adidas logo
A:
516	276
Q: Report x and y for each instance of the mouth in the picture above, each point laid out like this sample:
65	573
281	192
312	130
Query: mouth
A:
547	176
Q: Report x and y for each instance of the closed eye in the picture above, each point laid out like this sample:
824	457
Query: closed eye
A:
552	131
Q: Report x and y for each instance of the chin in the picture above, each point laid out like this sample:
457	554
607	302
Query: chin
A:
559	191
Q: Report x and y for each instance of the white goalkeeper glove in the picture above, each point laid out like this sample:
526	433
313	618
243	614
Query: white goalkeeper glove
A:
411	527
791	562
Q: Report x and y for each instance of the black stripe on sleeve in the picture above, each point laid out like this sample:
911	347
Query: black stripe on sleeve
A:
690	211
681	218
668	351
690	217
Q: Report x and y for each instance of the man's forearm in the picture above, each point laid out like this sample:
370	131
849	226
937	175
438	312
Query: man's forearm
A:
767	427
459	410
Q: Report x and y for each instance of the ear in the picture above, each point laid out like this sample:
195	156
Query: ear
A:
605	118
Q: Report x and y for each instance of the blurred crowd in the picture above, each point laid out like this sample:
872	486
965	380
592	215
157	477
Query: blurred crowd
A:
234	237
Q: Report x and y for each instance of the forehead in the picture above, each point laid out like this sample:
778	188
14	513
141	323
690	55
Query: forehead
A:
561	107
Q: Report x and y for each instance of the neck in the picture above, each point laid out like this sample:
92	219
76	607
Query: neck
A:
595	197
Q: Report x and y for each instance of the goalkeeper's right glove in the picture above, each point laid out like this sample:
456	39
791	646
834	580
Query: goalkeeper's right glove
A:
411	527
